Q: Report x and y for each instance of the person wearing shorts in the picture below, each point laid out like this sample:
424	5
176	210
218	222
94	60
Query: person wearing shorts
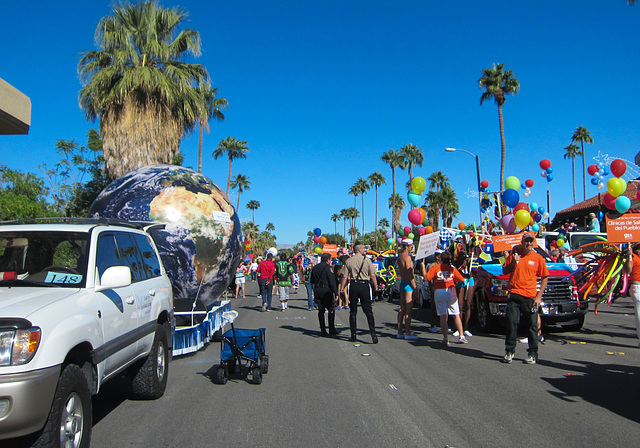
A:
241	272
407	286
444	278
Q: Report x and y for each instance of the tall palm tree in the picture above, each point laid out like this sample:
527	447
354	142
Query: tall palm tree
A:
363	187
355	191
582	135
448	203
376	179
270	227
572	152
345	214
437	181
432	204
396	204
254	205
395	160
250	230
139	87
383	224
413	157
335	218
213	106
234	149
497	84
241	182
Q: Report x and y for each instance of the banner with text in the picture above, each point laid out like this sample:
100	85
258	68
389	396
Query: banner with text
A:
506	242
625	229
428	244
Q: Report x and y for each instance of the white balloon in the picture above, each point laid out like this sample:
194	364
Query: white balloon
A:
546	215
600	185
544	173
526	194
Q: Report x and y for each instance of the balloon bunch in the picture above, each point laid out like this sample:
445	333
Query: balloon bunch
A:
319	240
598	172
522	214
547	172
416	216
247	245
484	185
616	186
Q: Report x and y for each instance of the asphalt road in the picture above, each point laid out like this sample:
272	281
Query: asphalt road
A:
323	392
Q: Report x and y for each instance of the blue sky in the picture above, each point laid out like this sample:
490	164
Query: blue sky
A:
320	90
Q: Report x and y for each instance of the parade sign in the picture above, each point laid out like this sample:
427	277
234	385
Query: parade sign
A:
506	242
330	249
427	245
625	229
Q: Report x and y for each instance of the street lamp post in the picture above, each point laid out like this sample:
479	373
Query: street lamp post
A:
478	174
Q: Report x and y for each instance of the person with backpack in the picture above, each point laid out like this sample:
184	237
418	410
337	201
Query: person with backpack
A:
325	290
284	280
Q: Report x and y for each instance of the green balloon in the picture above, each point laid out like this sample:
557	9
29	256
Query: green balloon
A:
411	236
401	232
512	182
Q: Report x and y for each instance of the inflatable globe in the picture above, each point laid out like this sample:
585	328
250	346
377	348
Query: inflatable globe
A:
200	245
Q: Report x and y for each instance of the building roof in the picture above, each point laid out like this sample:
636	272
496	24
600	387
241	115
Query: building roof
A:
15	110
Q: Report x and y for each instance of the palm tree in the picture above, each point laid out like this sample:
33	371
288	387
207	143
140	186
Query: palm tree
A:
345	214
355	191
254	205
241	182
139	87
497	84
213	106
572	152
396	203
383	224
395	160
413	156
235	149
376	179
250	230
432	203
582	135
437	181
270	227
363	187
448	203
335	218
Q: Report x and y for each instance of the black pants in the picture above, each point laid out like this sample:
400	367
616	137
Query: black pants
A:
518	306
362	291
325	299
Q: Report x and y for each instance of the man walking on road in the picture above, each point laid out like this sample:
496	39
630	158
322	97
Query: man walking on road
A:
284	277
266	270
407	286
524	265
325	292
360	272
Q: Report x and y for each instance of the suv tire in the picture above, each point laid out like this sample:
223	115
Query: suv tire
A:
70	419
150	378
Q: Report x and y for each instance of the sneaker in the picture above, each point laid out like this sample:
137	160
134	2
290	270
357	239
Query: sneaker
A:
541	339
462	340
268	310
353	338
508	358
530	360
456	334
399	336
411	337
467	333
264	307
374	338
433	329
445	342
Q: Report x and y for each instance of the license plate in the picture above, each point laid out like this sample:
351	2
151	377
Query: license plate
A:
549	310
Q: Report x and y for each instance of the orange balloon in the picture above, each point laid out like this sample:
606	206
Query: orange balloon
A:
323	240
461	226
532	221
423	214
429	229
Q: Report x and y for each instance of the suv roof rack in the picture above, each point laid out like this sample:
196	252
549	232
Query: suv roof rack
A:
67	220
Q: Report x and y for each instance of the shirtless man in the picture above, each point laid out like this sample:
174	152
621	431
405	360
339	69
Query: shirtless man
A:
407	286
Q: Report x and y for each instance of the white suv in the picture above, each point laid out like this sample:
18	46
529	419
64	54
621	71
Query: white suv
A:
80	302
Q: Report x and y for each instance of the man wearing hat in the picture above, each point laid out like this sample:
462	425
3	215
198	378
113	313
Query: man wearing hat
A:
407	286
524	265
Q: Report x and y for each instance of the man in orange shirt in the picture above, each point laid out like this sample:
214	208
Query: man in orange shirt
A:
525	266
632	267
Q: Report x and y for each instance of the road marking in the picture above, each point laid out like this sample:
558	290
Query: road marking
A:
393	387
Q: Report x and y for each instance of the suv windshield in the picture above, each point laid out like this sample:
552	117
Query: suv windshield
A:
43	258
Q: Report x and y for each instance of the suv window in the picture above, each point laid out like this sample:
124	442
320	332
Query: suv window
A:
107	253
130	254
150	262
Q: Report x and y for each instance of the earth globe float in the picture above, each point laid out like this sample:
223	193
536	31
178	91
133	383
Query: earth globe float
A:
200	244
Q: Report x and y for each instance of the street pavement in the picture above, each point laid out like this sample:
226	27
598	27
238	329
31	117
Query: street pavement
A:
329	392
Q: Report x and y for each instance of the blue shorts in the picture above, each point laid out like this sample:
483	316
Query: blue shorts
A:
406	285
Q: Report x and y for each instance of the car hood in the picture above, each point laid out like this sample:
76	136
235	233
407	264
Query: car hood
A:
555	269
24	301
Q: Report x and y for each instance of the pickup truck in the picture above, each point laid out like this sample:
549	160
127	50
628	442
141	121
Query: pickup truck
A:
560	302
81	302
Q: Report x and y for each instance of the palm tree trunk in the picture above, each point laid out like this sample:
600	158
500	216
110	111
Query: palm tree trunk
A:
573	178
362	200
253	216
503	147
229	177
584	172
238	203
200	147
376	231
393	202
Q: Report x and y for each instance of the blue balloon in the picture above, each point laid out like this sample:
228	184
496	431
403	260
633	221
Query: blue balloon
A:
605	171
317	232
510	197
523	186
538	217
549	177
414	198
594	181
541	210
550	170
533	206
600	216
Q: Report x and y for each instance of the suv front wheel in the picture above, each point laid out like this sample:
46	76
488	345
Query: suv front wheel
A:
150	379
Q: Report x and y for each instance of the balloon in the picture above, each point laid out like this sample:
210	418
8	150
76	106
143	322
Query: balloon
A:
541	210
512	182
594	181
609	201
387	235
401	232
421	231
521	206
411	236
618	168
415	218
407	230
533	206
510	197
593	169
545	163
508	224
316	239
544	174
549	170
461	226
423	215
623	204
323	240
560	242
549	177
414	198
390	241
484	184
529	183
600	185
428	229
545	215
605	171
538	217
600	216
318	250
418	184
317	232
522	218
616	187
535	227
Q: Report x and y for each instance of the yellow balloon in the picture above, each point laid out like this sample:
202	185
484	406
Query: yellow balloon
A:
418	184
616	186
561	242
522	218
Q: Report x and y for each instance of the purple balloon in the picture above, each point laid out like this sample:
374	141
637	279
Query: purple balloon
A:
508	223
388	234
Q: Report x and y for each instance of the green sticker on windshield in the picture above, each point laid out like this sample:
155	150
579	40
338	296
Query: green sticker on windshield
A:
63	278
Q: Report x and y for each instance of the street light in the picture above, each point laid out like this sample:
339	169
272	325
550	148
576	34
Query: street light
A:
477	172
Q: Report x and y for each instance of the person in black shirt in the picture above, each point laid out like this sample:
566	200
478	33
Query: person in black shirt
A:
325	290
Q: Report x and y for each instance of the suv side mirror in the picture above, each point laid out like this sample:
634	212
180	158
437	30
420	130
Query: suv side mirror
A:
115	277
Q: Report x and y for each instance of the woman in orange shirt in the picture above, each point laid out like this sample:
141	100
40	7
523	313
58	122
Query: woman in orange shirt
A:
444	278
632	267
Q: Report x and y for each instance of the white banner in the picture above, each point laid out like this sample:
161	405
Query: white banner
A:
427	245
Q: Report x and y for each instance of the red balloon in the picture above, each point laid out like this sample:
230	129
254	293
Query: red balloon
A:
484	184
521	206
618	167
545	163
593	169
407	230
609	201
529	183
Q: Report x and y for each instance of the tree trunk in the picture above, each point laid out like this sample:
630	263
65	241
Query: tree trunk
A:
376	227
362	200
229	176
573	178
503	147
393	203
200	147
584	172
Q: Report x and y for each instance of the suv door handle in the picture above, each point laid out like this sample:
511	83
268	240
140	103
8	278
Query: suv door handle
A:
152	292
130	300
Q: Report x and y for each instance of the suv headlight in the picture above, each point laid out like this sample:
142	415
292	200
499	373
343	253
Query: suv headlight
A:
18	346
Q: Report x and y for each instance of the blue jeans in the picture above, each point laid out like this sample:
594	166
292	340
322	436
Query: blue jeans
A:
311	304
516	306
265	292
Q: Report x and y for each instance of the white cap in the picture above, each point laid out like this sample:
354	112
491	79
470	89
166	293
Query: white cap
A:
407	241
